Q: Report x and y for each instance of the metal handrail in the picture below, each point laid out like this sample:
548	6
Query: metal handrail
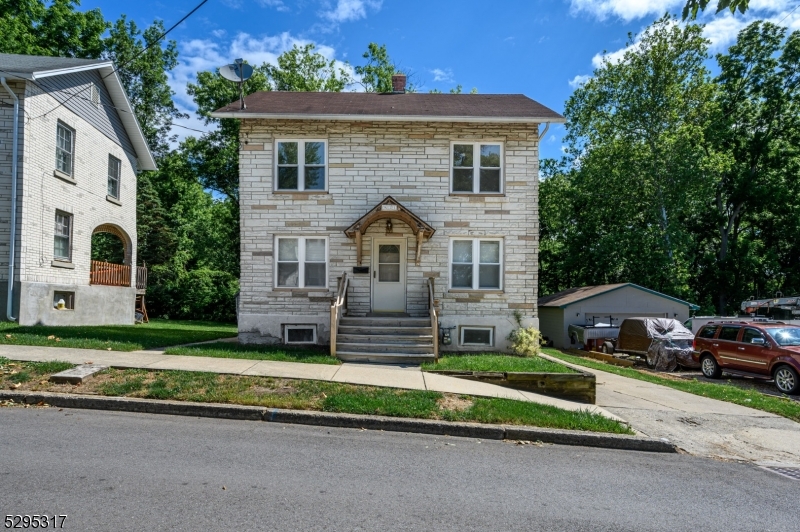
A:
434	319
336	309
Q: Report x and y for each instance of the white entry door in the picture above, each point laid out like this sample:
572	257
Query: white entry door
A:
389	275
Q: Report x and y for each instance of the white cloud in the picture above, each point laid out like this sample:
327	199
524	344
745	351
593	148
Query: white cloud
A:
578	80
348	10
277	4
624	9
445	75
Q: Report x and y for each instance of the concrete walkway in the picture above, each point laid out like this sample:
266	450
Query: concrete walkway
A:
699	425
411	378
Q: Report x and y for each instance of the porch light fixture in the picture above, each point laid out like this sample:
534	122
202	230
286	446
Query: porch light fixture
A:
389	225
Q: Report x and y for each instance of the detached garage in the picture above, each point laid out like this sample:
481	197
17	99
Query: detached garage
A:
600	304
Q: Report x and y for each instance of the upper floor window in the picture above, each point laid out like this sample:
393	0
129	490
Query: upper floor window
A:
301	165
65	148
114	171
62	239
476	168
476	263
302	262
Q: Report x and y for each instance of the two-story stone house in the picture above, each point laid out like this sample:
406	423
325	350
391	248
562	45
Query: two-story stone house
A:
70	148
369	221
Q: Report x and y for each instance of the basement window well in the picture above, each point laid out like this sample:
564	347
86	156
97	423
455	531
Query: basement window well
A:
300	334
477	336
64	300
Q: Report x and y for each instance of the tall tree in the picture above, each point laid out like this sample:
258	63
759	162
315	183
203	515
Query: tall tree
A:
305	70
632	135
376	74
142	65
31	27
752	145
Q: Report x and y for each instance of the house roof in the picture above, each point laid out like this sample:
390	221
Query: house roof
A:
35	67
573	295
506	108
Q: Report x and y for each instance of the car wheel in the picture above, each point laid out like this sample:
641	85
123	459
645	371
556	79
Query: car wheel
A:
710	368
787	380
608	348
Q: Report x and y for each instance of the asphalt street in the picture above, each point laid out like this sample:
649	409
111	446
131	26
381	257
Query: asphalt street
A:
119	471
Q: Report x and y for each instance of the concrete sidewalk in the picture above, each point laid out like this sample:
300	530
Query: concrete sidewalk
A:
411	378
699	425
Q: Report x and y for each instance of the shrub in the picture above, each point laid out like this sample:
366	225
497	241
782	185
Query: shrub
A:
525	341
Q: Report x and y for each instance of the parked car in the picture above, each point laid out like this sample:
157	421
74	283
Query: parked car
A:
754	349
664	342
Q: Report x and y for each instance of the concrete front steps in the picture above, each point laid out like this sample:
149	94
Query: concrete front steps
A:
394	340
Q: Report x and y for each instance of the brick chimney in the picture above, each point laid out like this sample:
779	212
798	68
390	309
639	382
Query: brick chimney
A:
399	83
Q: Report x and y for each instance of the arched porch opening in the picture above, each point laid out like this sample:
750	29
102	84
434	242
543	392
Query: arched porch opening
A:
110	256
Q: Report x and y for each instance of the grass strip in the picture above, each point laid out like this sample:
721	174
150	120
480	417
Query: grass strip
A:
308	395
722	390
255	352
157	333
496	362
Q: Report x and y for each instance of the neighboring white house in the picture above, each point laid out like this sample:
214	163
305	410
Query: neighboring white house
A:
603	304
395	197
78	150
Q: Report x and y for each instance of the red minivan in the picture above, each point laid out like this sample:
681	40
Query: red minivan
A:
763	350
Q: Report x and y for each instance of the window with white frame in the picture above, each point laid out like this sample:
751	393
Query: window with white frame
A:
300	334
476	168
301	262
476	263
62	237
114	171
65	148
301	165
477	336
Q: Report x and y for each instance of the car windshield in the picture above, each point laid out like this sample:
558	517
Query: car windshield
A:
786	336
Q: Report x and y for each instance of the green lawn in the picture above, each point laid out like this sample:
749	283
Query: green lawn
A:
304	395
157	333
255	352
722	390
496	362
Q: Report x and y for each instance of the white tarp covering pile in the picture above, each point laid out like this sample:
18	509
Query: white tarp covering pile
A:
665	342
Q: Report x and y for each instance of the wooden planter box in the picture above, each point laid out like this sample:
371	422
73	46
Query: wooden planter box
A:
580	386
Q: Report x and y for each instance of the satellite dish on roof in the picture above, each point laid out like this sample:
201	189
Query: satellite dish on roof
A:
238	71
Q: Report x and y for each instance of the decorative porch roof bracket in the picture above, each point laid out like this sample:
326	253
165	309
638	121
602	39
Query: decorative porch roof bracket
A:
390	208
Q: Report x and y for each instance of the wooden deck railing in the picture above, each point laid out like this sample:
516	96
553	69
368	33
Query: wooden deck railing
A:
108	274
434	319
141	277
337	305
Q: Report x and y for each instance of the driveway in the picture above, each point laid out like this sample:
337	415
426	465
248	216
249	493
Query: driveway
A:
699	425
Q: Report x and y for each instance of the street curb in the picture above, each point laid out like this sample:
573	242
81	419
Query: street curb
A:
328	419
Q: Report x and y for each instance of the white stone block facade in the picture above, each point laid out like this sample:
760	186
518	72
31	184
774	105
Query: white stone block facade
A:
41	193
368	161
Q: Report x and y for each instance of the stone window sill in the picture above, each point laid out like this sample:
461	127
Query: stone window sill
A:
468	291
65	177
304	192
115	201
62	264
301	290
480	195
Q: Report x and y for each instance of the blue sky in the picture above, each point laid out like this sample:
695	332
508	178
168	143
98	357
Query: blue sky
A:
536	47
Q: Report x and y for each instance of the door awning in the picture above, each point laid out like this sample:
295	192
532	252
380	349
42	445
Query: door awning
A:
390	208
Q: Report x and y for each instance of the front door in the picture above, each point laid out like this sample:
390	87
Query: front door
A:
389	275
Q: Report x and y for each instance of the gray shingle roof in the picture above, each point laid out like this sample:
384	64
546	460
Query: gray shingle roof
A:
29	64
281	104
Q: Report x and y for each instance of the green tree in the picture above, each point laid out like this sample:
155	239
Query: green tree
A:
633	133
752	145
692	7
142	65
376	74
304	70
31	27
